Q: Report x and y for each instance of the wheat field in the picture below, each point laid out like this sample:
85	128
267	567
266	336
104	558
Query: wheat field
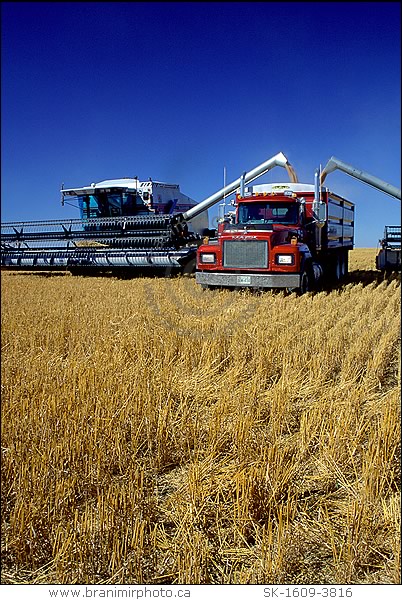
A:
153	432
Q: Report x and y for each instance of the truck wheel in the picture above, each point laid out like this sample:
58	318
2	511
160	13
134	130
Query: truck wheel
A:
305	282
338	269
189	268
342	266
345	263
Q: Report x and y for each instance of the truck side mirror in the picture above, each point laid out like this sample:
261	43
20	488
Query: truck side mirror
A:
322	213
302	211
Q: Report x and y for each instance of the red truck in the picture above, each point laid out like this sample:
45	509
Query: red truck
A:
292	235
284	235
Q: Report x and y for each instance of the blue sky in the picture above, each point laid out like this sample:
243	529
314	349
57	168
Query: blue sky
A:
178	91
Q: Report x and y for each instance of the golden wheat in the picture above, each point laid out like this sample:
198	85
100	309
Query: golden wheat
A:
156	433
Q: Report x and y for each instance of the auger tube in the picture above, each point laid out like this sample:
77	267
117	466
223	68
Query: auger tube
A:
279	160
335	163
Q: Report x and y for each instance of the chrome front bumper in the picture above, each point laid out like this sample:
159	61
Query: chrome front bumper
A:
253	280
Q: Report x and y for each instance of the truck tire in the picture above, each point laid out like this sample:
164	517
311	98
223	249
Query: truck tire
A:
345	263
189	267
338	268
341	266
305	282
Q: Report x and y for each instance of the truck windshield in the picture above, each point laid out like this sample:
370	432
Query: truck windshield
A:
269	212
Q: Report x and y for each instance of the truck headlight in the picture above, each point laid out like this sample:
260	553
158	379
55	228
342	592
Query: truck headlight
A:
285	259
207	258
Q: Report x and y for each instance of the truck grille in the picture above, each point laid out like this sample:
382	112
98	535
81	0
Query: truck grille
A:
247	254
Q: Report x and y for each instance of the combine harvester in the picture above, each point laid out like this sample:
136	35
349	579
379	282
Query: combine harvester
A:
389	257
128	226
124	224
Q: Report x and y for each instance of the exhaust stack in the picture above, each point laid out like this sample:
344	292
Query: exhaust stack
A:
317	205
242	184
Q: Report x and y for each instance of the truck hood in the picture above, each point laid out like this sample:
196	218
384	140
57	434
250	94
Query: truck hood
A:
277	234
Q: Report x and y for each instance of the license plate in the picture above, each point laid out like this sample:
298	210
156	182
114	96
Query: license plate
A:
244	280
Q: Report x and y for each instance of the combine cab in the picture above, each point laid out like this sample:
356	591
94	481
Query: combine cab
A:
124	224
389	256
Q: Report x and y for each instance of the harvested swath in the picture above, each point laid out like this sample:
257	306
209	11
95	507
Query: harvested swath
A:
156	433
90	244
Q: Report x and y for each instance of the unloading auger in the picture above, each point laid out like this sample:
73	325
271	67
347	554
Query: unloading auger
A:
388	258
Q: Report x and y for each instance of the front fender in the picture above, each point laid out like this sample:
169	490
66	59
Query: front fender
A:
305	256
